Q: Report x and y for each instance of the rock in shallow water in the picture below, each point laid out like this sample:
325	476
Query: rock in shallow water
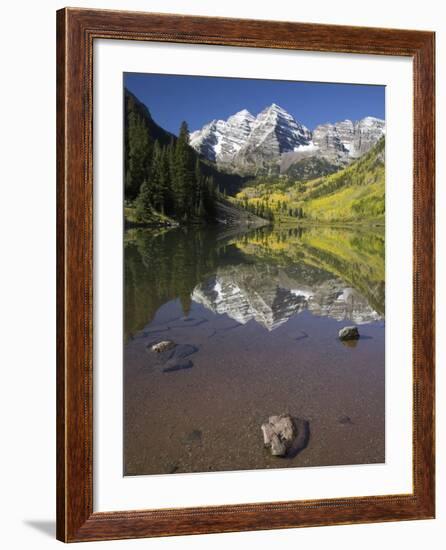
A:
349	333
279	434
162	346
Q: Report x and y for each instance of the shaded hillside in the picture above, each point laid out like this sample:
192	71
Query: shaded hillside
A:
228	214
141	133
354	194
133	105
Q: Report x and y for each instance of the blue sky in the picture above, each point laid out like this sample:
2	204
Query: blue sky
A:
199	99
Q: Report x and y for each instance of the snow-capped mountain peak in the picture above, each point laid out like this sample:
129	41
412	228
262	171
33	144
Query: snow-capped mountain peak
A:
348	139
247	142
220	140
274	131
244	113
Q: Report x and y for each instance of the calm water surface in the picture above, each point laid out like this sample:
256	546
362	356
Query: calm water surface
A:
256	317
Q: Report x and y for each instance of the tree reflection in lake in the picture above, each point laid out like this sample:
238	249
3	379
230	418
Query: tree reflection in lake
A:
269	274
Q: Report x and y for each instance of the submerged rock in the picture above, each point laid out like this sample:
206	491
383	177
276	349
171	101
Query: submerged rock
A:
194	436
345	420
162	346
279	434
177	359
349	333
177	365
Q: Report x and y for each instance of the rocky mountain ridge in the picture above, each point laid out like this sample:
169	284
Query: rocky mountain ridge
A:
246	143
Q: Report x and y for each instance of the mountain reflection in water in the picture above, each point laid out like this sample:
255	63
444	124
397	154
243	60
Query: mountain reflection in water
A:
267	275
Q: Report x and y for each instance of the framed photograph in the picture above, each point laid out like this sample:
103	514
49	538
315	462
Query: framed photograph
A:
245	275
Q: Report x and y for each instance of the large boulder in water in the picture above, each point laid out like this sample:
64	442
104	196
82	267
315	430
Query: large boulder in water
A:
349	333
279	434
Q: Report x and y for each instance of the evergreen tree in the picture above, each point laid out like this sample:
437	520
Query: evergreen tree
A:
198	191
157	179
183	183
143	203
172	176
209	193
166	183
139	147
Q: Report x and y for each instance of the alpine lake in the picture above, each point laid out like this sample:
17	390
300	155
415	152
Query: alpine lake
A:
255	316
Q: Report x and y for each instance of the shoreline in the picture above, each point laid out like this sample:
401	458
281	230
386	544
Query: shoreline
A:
174	225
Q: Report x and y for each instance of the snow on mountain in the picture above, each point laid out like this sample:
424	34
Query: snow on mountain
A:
274	127
220	140
246	141
347	139
274	132
207	141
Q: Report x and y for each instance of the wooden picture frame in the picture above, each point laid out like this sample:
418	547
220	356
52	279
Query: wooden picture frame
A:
77	29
